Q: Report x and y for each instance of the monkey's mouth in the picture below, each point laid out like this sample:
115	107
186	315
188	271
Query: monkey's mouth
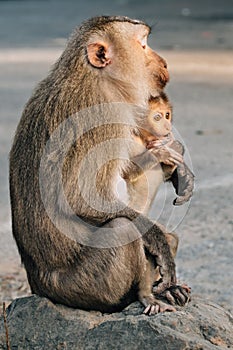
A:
162	83
163	80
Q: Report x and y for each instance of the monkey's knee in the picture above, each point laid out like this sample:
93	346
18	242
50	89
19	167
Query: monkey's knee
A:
116	233
173	241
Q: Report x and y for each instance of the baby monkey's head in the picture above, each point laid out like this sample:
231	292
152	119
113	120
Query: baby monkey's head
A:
159	118
157	122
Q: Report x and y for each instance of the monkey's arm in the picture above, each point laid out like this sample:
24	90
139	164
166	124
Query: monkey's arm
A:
149	159
138	165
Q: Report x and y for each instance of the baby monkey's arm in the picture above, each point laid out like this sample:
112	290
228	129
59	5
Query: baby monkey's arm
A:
149	159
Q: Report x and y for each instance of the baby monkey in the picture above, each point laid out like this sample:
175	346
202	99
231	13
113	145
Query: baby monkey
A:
155	133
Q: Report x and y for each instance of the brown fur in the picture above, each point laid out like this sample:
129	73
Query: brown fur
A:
97	67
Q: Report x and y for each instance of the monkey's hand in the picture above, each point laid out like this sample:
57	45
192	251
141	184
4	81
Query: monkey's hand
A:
154	306
159	142
175	295
167	155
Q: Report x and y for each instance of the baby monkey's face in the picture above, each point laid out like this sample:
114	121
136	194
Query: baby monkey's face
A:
158	123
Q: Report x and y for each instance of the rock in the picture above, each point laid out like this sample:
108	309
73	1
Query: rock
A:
36	323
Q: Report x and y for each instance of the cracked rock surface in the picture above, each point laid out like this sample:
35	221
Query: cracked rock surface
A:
36	323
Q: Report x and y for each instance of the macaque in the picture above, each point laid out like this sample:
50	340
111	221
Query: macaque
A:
81	246
155	134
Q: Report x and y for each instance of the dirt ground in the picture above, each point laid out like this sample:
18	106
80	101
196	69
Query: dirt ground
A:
201	90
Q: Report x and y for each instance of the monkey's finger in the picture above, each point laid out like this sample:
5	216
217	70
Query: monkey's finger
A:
154	145
157	308
169	161
166	307
147	309
178	202
184	286
180	298
170	298
182	295
152	310
174	161
161	142
175	155
185	292
182	199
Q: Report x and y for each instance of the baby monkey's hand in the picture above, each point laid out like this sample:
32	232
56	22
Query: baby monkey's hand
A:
159	142
167	155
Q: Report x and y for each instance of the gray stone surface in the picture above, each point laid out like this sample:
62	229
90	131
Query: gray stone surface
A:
36	323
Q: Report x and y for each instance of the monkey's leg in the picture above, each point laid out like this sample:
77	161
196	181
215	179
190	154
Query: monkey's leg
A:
183	182
181	177
104	279
152	305
155	242
173	241
176	295
165	301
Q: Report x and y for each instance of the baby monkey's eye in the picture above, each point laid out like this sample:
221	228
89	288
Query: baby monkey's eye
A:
157	117
167	115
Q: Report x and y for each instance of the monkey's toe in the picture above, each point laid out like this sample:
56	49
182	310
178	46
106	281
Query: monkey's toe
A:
181	295
176	295
158	307
182	199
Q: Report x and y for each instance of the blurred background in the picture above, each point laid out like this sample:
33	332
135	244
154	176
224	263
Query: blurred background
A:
196	38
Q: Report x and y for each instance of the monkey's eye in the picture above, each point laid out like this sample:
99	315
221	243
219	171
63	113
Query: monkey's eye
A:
143	42
167	115
157	117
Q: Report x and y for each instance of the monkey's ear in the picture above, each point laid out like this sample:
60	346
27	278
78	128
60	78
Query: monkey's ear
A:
99	54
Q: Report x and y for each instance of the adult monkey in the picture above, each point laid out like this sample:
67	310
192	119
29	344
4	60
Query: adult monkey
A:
106	61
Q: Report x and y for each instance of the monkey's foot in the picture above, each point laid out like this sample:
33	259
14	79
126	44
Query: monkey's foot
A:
154	306
175	295
159	306
182	199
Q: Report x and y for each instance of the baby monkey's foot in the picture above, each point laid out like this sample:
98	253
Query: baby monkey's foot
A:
154	306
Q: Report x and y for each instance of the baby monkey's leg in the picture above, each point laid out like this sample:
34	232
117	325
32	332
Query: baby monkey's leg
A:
182	178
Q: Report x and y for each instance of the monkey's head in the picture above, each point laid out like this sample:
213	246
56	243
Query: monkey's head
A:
115	52
158	122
